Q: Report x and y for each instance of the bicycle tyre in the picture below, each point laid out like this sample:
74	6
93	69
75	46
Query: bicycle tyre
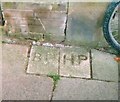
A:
106	26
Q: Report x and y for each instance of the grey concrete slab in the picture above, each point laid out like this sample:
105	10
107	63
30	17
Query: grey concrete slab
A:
74	61
0	64
84	25
104	66
14	59
27	88
16	85
79	89
43	60
119	71
119	91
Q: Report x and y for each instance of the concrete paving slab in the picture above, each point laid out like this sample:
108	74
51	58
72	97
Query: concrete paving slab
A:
104	66
119	91
16	85
74	61
43	60
0	65
119	70
14	59
79	89
27	88
85	22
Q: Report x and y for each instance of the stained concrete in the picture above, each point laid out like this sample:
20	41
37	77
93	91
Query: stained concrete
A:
80	89
104	66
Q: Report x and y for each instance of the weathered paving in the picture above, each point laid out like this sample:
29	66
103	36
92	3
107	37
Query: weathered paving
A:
30	87
71	61
0	66
79	89
36	20
66	22
84	26
14	60
27	88
119	71
16	85
84	74
74	61
104	66
43	60
67	61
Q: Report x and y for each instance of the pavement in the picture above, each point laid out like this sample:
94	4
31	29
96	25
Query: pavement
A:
33	69
30	72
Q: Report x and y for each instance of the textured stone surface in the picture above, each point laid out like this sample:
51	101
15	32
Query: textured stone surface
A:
84	25
119	71
14	60
0	64
16	85
43	60
30	18
27	88
78	89
16	20
74	62
104	66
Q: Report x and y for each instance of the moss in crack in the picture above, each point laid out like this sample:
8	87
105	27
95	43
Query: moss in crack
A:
3	42
29	36
55	77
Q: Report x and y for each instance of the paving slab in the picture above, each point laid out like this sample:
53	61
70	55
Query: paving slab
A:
27	88
74	61
119	91
14	59
43	60
79	89
0	65
119	71
16	85
104	66
84	24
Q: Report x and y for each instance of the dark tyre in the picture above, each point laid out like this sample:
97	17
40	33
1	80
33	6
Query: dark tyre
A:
110	25
1	17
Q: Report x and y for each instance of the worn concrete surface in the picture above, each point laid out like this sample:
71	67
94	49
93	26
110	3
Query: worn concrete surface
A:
16	85
14	60
0	64
50	19
74	61
43	60
32	18
27	88
84	25
79	89
118	90
119	71
67	61
104	66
